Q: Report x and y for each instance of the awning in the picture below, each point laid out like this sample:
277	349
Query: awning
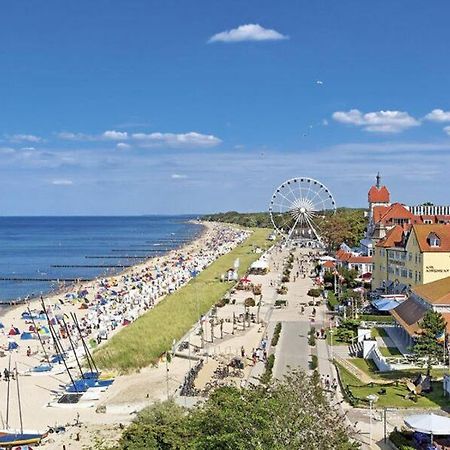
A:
385	304
429	424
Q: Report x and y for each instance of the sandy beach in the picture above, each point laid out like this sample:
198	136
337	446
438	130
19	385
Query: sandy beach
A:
103	307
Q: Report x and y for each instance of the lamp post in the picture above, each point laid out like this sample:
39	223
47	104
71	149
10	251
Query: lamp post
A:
372	399
331	343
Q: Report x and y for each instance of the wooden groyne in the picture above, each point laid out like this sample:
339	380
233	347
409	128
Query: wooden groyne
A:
45	280
90	266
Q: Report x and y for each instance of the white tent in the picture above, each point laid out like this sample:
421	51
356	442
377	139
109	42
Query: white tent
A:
429	424
260	264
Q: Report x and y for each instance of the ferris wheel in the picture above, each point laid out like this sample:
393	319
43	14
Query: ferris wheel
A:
298	206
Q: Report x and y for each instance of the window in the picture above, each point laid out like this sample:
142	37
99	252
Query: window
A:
433	240
410	256
410	274
420	277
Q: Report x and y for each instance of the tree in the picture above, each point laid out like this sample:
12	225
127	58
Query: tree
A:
161	426
427	345
291	413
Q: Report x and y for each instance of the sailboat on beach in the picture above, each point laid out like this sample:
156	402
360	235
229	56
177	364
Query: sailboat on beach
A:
10	438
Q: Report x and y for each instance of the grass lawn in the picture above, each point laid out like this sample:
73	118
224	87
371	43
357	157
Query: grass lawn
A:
332	336
332	301
145	340
395	395
378	332
390	351
369	367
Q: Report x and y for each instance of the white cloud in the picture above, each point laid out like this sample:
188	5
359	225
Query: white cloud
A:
249	32
378	121
178	176
62	182
180	140
447	130
438	115
174	140
69	136
115	135
24	138
123	146
319	82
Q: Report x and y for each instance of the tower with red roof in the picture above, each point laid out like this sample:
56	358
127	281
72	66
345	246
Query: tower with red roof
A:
378	196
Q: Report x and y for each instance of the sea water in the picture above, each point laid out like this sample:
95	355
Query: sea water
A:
30	246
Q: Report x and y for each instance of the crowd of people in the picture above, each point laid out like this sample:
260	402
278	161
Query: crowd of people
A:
105	305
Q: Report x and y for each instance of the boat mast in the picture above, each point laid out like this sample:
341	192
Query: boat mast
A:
56	343
18	400
86	349
73	347
38	335
7	393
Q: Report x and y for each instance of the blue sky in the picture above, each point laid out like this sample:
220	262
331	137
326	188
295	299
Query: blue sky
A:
141	107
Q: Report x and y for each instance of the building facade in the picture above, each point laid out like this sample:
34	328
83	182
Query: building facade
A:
410	256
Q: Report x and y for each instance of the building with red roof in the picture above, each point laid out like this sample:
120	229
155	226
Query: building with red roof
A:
411	255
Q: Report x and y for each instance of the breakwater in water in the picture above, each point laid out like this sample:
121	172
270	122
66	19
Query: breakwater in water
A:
40	254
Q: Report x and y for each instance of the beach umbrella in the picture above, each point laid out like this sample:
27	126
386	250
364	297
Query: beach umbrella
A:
429	424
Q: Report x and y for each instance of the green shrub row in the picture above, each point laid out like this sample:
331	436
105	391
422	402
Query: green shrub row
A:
312	337
276	334
400	441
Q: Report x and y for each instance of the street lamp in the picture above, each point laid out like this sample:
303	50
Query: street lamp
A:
372	399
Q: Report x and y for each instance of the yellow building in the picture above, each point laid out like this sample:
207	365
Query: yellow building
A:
404	258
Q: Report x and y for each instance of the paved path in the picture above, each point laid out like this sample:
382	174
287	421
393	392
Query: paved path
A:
292	349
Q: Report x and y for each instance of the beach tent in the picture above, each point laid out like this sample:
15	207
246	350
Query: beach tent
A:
13	331
12	345
26	336
1	326
429	424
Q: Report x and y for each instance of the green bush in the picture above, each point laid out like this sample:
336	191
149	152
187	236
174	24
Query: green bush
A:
285	279
276	334
376	318
332	301
312	337
267	375
314	362
314	293
400	441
